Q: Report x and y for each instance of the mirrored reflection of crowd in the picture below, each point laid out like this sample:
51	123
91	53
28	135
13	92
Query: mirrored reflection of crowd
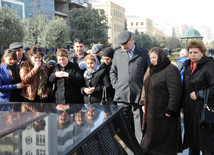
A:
156	91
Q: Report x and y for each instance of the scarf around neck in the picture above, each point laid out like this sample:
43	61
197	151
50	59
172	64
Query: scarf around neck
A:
42	79
88	74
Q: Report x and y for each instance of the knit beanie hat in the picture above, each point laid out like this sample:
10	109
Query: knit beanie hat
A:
96	48
109	52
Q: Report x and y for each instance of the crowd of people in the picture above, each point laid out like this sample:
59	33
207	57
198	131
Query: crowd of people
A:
131	76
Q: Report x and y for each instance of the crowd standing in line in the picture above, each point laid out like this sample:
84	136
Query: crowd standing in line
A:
79	77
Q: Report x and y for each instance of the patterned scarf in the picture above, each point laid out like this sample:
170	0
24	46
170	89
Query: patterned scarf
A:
42	80
89	73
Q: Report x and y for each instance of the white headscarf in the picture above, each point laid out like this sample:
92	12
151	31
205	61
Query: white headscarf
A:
88	73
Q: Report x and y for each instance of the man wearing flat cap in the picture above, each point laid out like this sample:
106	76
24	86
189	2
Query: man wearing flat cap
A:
21	56
127	71
97	50
27	50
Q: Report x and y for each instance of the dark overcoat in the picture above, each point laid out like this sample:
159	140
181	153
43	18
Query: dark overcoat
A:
196	137
127	74
67	90
98	80
162	135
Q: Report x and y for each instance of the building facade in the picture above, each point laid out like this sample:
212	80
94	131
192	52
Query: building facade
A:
143	25
31	8
62	7
116	18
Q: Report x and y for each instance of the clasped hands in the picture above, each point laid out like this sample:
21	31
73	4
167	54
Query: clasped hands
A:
61	74
89	91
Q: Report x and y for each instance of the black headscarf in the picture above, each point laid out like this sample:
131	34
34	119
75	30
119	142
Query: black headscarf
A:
163	60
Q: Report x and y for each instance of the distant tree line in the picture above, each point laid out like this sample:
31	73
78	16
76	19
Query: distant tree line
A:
88	24
162	41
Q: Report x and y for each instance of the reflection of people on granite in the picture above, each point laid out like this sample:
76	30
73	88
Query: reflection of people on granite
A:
92	113
107	115
39	125
36	107
64	117
80	118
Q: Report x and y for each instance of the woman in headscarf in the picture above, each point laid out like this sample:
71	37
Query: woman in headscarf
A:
34	73
10	82
160	98
95	80
198	77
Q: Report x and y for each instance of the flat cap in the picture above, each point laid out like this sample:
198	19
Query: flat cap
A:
26	49
96	48
15	45
124	37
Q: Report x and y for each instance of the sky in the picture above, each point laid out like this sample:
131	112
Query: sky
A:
191	12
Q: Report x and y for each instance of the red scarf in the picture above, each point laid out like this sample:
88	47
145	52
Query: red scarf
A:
192	68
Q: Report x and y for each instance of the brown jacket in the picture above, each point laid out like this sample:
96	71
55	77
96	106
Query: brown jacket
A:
28	75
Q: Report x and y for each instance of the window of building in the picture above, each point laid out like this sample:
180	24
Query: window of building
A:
136	23
28	140
28	153
40	140
141	23
131	23
8	153
8	139
40	152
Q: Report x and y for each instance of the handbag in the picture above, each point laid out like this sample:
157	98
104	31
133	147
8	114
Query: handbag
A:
207	113
105	99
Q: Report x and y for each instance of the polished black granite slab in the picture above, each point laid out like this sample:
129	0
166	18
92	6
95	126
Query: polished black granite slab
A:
65	129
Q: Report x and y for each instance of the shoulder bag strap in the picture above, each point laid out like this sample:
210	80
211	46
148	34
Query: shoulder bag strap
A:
206	96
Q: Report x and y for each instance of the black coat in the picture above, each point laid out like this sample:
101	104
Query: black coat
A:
202	78
99	80
111	91
67	90
161	94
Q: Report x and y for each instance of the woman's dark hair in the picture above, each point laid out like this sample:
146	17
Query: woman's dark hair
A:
9	53
36	50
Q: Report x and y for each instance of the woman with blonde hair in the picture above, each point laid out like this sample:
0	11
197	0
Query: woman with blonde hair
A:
67	78
198	77
34	73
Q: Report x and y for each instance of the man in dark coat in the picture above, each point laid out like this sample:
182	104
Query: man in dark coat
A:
21	56
79	54
127	71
